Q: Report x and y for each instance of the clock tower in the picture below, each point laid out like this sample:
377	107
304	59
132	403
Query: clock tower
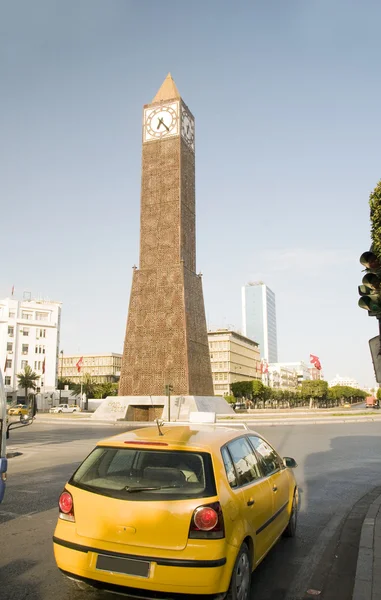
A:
166	337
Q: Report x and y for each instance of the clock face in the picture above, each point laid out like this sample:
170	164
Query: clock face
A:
187	127
161	121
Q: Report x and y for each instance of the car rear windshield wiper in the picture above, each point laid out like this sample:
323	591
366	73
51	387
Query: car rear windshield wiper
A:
131	490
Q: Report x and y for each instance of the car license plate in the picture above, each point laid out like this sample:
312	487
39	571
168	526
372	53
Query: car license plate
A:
127	566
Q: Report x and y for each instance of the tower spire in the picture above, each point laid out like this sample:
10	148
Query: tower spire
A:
168	90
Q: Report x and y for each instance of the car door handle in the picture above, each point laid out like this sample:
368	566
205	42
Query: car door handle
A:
250	502
275	489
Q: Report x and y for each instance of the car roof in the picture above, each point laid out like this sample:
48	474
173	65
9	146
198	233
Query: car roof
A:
195	437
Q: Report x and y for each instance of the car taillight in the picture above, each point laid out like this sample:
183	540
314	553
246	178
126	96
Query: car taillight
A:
66	506
207	522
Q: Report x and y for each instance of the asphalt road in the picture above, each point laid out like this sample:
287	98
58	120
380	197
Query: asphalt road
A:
338	464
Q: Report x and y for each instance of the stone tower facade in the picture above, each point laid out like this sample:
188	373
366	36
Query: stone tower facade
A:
166	337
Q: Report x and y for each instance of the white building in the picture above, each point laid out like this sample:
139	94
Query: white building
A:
259	318
302	370
29	335
344	381
282	378
233	358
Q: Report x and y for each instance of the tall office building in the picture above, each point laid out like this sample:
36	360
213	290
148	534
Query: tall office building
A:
259	318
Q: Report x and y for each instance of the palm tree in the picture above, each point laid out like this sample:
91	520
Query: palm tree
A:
27	380
88	387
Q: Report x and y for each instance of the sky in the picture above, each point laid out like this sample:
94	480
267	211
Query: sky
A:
286	96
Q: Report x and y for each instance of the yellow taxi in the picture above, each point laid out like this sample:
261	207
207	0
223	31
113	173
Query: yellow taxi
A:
175	510
20	409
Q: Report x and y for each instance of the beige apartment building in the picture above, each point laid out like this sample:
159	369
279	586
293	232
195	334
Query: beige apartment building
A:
102	367
281	378
233	357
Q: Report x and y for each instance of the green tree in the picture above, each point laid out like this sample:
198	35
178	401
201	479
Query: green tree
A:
62	382
379	393
242	389
89	387
315	390
27	380
375	219
103	390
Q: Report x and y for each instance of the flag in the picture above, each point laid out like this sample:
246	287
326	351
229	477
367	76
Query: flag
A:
43	367
5	364
79	364
264	367
13	289
314	360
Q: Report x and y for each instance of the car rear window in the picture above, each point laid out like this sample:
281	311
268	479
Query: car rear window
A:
135	474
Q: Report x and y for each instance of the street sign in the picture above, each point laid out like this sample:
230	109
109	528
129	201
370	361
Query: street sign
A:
374	345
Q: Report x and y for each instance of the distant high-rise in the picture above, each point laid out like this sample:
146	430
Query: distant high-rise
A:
259	318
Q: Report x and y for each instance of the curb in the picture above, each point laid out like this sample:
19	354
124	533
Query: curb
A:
369	550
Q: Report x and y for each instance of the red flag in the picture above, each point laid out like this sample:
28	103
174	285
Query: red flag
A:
43	367
79	364
314	360
264	367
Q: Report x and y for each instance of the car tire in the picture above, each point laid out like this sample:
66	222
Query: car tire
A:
59	411
290	530
239	588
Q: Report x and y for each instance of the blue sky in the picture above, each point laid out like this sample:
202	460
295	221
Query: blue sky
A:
286	95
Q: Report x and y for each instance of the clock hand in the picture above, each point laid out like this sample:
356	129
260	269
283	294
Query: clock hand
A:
161	122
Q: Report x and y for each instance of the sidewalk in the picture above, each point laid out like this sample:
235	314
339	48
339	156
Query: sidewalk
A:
368	572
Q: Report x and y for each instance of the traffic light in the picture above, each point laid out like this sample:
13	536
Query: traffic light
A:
370	290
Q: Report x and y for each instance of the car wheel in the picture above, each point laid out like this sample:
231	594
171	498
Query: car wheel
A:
239	588
59	411
290	530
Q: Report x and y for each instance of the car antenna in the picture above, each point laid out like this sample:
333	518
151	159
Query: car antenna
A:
158	423
157	420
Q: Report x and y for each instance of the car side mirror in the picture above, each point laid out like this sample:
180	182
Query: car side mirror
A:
290	462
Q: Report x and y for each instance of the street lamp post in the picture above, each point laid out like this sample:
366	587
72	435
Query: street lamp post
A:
61	373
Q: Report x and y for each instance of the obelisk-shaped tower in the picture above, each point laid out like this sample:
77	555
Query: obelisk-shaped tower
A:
166	338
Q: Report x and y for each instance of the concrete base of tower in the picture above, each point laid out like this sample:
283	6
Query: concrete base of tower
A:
149	408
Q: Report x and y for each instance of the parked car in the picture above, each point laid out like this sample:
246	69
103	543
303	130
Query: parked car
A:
65	408
20	409
178	509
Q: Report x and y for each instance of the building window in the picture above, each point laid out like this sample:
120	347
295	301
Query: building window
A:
35	364
8	364
42	316
25	331
25	349
9	347
24	363
40	333
7	380
26	315
11	331
12	315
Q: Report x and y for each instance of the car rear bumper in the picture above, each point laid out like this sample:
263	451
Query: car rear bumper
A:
167	577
